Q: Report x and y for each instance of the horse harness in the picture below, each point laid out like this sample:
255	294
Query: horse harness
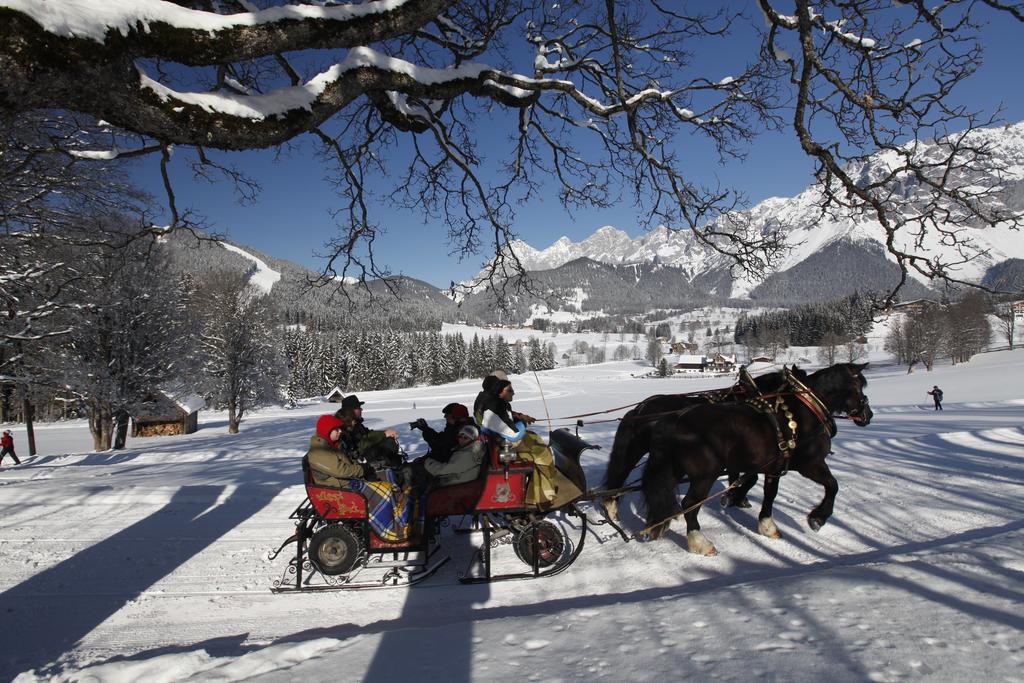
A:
773	406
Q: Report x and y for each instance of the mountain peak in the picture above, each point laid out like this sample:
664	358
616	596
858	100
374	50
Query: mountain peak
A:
802	225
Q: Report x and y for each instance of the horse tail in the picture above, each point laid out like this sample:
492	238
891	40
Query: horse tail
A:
626	451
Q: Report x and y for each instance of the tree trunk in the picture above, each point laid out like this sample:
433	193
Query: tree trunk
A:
233	419
120	430
5	402
30	431
101	423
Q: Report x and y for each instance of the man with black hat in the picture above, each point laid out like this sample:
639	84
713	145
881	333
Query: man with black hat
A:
443	443
378	448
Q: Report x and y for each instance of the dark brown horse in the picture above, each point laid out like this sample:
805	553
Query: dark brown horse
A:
705	440
633	437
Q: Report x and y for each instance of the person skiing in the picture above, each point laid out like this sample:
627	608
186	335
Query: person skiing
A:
7	443
936	395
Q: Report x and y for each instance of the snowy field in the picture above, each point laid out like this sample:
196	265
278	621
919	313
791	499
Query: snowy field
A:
149	564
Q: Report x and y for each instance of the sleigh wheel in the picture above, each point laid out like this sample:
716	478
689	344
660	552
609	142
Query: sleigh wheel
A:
549	547
335	549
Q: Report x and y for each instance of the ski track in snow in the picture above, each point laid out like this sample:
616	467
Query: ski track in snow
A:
151	563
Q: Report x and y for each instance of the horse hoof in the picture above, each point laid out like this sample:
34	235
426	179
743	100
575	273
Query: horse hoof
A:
815	523
699	544
742	503
611	509
652	534
766	527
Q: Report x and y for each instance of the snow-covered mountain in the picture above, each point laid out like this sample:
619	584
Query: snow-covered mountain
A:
812	238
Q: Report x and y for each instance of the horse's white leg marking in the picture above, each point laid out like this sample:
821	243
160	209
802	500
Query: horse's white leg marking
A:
611	508
766	527
699	543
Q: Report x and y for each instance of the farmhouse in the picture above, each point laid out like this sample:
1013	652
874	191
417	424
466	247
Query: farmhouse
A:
690	363
165	413
684	347
720	363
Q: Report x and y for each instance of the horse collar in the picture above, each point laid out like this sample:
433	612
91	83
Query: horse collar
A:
817	406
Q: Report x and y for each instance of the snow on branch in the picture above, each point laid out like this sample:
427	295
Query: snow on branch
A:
190	36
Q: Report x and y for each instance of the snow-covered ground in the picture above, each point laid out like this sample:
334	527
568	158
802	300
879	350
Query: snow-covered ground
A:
149	564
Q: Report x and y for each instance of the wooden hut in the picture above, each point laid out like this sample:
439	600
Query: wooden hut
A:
165	413
335	395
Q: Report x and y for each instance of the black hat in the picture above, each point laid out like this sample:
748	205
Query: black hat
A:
449	408
351	401
499	386
489	381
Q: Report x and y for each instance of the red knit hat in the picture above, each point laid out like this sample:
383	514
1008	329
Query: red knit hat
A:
456	410
326	423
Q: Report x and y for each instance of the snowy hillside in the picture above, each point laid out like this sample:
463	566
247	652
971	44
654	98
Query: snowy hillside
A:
149	564
807	231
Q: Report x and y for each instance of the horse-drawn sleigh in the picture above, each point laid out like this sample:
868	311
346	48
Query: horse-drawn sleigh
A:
337	547
768	425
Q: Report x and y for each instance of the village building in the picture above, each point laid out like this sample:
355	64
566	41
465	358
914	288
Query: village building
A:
691	364
684	347
1018	309
335	395
722	364
166	413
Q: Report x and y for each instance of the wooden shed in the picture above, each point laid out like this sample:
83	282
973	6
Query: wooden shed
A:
335	395
165	413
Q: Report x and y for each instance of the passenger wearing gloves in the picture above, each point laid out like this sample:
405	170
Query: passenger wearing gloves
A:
444	442
379	448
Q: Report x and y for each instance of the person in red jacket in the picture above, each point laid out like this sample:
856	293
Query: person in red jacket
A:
7	444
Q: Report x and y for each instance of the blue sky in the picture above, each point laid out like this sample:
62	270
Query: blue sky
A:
291	218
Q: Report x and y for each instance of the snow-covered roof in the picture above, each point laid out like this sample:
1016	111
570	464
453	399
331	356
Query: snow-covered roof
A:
689	359
187	400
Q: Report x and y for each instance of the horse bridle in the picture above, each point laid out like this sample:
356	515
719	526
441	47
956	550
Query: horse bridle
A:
818	406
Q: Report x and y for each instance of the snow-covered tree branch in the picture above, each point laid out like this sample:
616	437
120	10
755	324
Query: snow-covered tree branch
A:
605	101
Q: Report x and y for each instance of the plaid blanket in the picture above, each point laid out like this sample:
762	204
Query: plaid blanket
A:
392	509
